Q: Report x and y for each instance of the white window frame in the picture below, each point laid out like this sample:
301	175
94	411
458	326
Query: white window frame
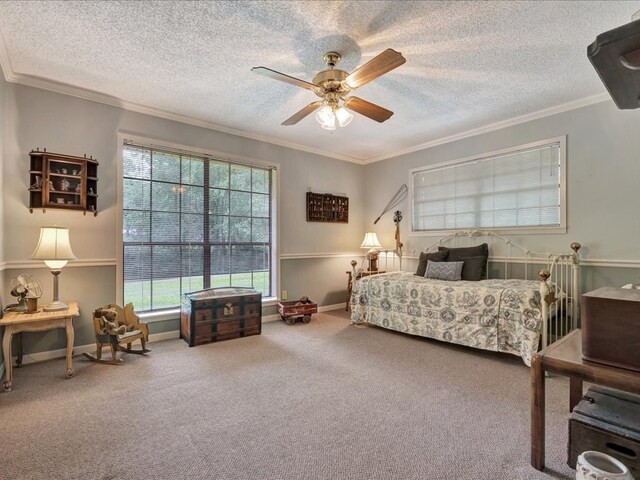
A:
173	313
561	228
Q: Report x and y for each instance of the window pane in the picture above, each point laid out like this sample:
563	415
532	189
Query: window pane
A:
241	258
165	166
260	180
135	194
192	228
240	229
136	163
219	201
261	282
192	268
240	178
136	226
219	175
240	203
220	259
137	274
165	197
261	257
165	264
259	205
260	230
218	229
192	199
165	227
192	171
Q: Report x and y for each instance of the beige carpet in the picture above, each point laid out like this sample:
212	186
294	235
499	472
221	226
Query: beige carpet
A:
325	400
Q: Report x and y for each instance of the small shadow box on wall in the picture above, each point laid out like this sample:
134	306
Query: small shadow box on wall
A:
324	207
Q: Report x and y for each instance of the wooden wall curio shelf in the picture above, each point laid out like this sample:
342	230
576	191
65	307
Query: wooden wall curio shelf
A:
62	181
324	207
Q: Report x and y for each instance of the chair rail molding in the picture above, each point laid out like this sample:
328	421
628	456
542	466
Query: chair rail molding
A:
88	262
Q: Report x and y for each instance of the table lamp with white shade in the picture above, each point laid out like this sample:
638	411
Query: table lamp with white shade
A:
371	242
54	248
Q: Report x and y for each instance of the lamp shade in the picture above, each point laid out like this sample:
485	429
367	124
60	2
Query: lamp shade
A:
54	247
326	118
343	116
370	241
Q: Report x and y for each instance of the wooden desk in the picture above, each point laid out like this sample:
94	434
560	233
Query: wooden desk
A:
36	322
364	273
564	357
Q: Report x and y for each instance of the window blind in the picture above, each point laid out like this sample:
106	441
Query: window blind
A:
512	190
192	222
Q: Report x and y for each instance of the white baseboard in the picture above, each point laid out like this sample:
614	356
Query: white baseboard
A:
158	337
154	337
80	349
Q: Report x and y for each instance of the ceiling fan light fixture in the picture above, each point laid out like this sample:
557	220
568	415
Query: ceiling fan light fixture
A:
343	116
333	85
326	118
329	126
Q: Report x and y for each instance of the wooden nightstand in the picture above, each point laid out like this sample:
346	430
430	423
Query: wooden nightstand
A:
363	273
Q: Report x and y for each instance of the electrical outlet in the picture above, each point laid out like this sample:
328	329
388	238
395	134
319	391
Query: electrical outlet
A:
284	294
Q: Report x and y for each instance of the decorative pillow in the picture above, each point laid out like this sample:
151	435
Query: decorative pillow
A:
451	271
434	257
459	254
473	268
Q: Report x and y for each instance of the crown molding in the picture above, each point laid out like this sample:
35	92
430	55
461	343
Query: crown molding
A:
78	92
546	112
5	61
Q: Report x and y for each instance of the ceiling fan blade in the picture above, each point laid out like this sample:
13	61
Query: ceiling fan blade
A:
377	66
296	117
267	72
368	109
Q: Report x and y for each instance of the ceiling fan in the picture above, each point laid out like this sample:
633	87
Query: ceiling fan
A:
333	86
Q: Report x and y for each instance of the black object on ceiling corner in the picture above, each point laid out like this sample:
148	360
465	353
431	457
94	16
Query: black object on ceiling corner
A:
616	57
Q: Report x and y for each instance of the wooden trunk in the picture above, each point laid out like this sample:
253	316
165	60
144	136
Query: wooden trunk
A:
218	314
607	421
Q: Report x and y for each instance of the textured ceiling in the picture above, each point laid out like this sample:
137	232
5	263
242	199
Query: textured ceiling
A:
469	64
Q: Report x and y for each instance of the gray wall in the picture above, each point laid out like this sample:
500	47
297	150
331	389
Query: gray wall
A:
63	124
603	171
602	146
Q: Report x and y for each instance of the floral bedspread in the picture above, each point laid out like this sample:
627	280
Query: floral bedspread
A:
498	315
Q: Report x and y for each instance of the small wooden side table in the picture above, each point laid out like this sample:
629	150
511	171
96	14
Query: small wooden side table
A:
364	273
36	322
564	357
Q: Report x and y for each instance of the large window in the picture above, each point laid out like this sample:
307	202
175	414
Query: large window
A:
514	189
191	222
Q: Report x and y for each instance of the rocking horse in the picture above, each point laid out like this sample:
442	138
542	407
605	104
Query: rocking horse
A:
116	326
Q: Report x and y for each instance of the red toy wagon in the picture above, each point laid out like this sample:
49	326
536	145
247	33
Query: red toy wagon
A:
290	311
